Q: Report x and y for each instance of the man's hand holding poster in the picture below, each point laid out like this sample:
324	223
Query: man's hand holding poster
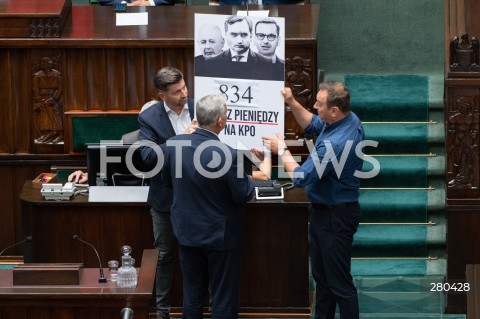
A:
242	58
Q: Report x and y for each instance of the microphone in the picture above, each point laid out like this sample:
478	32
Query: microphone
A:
102	276
28	238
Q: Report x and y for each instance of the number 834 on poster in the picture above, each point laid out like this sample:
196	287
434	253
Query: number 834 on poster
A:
255	109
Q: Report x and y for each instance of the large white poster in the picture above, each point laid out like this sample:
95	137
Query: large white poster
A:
243	58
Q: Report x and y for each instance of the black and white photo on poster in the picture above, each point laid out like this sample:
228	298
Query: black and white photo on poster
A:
243	58
258	43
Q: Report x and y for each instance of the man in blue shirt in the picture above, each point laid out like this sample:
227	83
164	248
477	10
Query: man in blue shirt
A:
329	177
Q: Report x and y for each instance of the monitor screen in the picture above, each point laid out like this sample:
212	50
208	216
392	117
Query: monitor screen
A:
115	159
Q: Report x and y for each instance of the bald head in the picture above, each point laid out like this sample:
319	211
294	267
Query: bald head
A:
210	40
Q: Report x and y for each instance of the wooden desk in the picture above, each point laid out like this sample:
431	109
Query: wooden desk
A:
88	300
275	272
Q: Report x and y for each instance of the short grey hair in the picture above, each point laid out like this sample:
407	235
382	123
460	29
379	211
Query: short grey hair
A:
210	108
338	95
166	76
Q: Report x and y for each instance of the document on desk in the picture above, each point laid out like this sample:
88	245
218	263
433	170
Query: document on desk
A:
132	18
253	13
118	194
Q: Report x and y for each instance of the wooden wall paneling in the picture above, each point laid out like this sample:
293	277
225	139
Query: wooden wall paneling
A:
96	80
93	224
13	174
88	313
22	73
8	106
7	212
40	312
136	231
156	58
13	313
473	296
115	311
18	176
115	82
22	173
13	178
262	261
88	229
473	18
76	68
153	62
455	17
460	18
68	135
69	250
184	58
467	18
189	68
62	312
113	79
462	118
135	79
462	231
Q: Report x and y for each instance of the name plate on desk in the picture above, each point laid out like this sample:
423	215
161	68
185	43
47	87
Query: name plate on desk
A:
47	274
118	194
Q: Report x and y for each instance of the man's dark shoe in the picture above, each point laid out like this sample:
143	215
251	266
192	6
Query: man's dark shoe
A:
159	316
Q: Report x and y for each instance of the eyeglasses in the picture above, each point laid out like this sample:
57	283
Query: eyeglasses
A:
261	36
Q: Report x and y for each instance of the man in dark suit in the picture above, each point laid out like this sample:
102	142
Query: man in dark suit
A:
240	62
207	214
266	38
172	115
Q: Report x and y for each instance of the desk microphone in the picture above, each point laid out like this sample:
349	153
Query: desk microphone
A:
102	276
28	238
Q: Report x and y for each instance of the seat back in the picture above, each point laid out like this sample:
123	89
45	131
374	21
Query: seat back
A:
131	137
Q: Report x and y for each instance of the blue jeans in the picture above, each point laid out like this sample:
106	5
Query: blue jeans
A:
331	238
165	243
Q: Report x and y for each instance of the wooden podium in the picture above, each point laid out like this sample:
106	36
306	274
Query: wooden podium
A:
275	277
87	300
